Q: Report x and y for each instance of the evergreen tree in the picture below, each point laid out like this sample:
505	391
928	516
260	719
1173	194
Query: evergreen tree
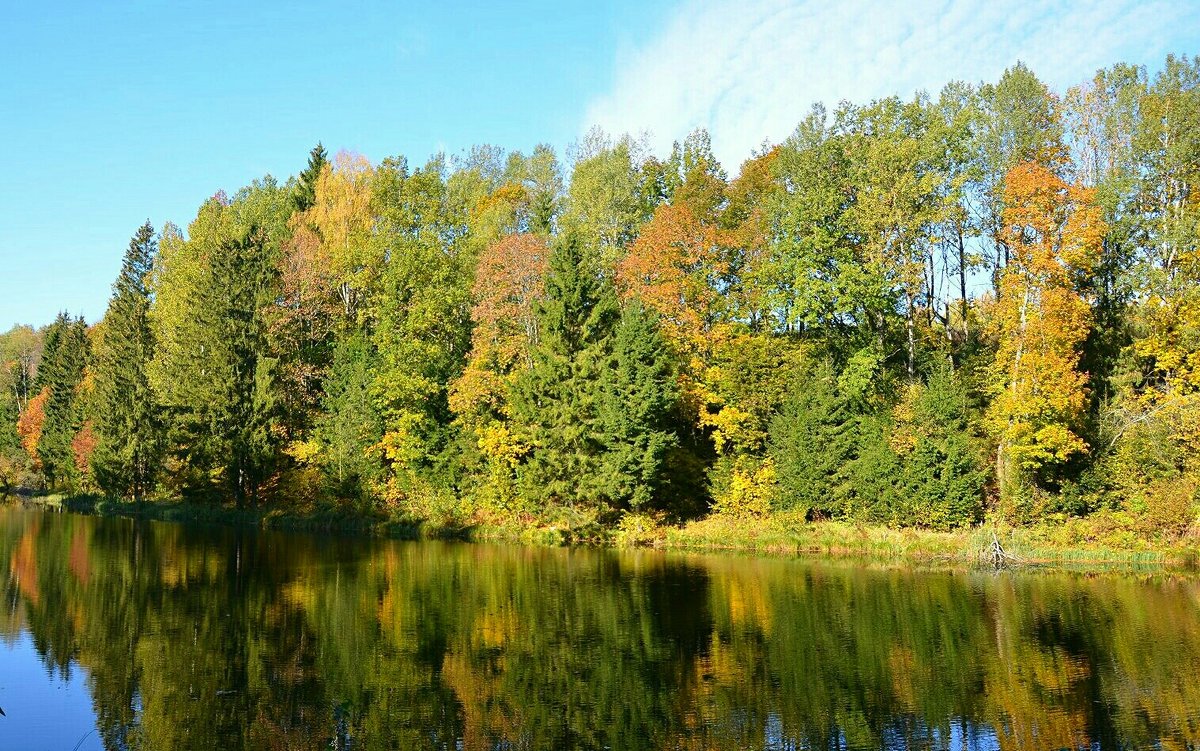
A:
813	442
639	395
306	187
61	371
943	474
349	425
223	377
557	401
126	416
240	372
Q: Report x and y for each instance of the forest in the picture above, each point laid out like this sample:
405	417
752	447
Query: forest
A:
926	312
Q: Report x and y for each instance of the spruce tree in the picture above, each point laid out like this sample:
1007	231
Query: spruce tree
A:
944	476
127	421
813	441
306	186
349	425
639	395
61	370
236	395
222	402
557	401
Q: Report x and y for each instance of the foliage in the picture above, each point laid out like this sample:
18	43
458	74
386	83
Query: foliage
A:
126	425
943	475
813	443
1041	321
923	312
556	402
61	378
638	398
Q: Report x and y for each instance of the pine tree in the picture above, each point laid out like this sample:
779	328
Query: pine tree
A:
639	394
64	359
127	421
814	444
556	402
349	425
306	187
241	374
943	473
221	391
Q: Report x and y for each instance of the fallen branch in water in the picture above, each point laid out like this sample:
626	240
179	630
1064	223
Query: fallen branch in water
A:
997	556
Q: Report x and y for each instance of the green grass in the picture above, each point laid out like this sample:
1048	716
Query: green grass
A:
1039	545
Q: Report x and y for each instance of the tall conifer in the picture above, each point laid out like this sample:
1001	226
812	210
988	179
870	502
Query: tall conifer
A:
639	395
306	188
60	372
557	400
127	422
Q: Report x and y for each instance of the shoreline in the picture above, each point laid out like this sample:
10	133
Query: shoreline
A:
1034	547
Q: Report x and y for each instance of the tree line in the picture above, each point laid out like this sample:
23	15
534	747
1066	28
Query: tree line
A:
911	312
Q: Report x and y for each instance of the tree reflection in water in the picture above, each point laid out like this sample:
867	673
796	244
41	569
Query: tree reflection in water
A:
200	638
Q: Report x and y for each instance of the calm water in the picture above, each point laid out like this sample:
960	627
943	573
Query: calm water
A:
155	636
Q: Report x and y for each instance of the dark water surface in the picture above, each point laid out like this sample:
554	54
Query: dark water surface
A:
145	635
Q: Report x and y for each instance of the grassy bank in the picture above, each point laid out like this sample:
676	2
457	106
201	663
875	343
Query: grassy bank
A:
1101	542
1074	543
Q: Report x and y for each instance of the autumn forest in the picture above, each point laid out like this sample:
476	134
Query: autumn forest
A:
979	304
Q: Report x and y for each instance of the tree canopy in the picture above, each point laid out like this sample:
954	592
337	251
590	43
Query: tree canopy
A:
925	311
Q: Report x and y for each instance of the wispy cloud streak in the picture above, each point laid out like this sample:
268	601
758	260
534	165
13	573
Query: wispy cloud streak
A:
748	70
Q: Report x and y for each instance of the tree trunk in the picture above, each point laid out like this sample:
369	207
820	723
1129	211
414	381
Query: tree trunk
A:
962	283
912	337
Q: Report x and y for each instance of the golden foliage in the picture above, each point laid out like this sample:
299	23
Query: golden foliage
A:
30	423
1040	320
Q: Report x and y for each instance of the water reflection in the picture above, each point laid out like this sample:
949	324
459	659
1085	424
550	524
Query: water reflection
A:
201	638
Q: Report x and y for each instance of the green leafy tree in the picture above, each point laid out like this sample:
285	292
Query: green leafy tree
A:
419	321
603	205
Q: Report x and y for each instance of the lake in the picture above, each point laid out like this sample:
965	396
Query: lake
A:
122	634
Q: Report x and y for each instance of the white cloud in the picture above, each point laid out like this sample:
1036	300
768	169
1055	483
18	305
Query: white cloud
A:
749	70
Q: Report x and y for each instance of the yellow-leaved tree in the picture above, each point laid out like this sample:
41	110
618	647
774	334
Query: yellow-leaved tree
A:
1053	231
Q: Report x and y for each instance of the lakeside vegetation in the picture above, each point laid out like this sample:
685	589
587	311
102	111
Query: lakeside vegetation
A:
1091	544
917	315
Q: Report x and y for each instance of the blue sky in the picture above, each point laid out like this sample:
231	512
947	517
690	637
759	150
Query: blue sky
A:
115	112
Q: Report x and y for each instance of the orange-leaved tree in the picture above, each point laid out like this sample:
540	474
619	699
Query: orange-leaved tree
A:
29	425
509	279
1054	231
